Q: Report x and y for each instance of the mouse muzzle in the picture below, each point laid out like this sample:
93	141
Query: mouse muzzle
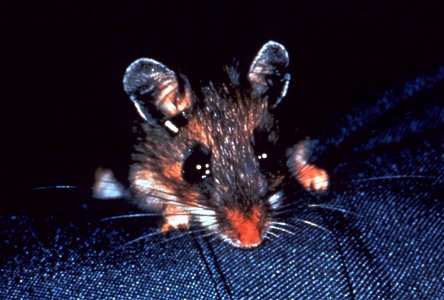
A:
245	228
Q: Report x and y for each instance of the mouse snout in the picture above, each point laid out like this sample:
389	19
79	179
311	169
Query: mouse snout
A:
246	231
250	238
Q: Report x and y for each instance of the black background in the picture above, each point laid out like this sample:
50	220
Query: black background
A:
64	109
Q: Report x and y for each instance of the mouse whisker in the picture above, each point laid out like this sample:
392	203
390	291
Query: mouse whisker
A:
150	189
281	224
130	216
162	194
182	202
282	229
284	224
297	202
55	187
393	177
340	209
142	215
312	224
166	199
206	235
288	207
146	236
270	238
212	223
151	192
272	233
194	214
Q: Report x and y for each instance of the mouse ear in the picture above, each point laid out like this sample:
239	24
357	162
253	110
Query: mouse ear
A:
156	91
268	73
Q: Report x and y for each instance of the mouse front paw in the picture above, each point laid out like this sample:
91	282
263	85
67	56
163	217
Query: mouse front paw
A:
313	178
175	218
308	175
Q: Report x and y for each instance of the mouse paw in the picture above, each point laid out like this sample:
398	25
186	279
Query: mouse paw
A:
313	178
175	218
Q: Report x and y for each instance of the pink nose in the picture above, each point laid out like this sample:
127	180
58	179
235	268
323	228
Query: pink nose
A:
246	227
250	238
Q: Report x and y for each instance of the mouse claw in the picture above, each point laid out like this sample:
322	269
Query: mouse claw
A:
313	178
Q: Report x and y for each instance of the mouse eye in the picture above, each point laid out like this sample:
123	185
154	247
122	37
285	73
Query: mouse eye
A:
197	166
267	152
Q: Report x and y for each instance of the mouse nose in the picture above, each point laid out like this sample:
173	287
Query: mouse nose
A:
249	238
246	227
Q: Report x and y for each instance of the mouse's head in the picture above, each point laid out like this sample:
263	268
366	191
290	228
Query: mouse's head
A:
212	153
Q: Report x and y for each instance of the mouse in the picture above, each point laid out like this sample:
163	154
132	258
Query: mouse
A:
213	154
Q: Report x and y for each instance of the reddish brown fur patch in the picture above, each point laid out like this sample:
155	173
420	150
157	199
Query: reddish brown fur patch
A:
247	228
197	131
173	170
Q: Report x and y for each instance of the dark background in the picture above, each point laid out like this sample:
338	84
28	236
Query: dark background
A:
64	110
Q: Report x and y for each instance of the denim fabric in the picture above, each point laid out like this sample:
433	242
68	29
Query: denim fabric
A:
379	232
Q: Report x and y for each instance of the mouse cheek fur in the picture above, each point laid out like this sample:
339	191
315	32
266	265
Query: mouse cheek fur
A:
308	175
150	194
